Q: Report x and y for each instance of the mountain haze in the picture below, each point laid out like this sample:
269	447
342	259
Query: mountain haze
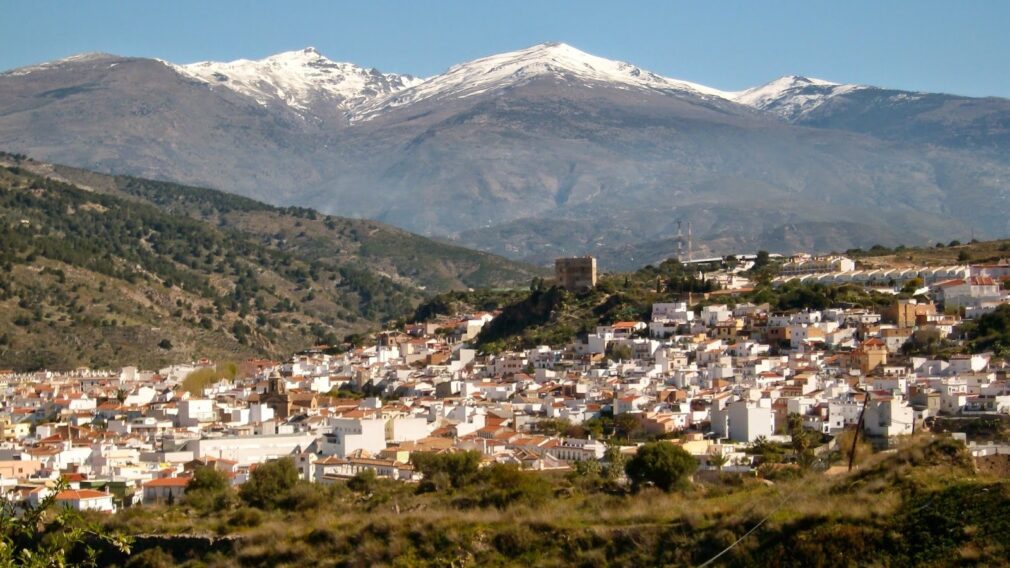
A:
538	152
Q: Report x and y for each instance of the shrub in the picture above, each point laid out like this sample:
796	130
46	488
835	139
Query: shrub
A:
246	517
209	491
507	485
458	469
269	484
363	481
661	464
208	479
151	558
305	496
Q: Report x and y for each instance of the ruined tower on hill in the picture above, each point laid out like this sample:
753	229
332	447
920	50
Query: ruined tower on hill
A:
575	274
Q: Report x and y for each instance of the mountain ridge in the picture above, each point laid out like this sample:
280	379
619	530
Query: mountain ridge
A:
547	134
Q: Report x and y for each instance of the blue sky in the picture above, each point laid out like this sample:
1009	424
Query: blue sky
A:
924	45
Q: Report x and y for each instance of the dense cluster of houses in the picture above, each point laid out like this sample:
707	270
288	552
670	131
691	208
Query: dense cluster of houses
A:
975	289
723	376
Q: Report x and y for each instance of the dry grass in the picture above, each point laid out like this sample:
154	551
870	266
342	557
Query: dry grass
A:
808	518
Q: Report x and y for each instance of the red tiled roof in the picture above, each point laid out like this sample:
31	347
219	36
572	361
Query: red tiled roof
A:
168	482
80	494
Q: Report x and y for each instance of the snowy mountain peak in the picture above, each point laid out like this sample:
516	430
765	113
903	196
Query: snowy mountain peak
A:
87	57
792	96
554	59
303	80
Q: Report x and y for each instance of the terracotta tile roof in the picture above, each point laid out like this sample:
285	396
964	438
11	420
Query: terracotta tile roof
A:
168	482
80	494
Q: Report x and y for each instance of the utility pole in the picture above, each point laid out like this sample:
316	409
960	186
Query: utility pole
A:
859	427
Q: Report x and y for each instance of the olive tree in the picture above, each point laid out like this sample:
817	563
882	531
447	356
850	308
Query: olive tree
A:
662	464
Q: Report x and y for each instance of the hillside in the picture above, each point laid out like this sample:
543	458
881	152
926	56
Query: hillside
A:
940	254
924	504
368	245
100	279
553	316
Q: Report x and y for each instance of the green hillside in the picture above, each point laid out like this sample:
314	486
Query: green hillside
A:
108	271
940	254
923	505
552	316
92	279
405	257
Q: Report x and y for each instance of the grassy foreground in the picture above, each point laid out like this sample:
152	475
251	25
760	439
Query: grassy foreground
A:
922	505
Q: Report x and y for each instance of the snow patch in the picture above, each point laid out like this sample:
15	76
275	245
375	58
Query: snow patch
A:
792	97
298	79
548	59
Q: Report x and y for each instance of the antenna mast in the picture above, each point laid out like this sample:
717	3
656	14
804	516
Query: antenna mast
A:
689	242
680	241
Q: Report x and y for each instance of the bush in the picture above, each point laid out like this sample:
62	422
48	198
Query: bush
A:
246	517
305	496
456	469
196	381
209	491
152	558
507	485
208	479
363	481
661	464
269	484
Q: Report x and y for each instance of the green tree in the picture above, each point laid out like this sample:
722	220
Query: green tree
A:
270	483
507	485
208	479
553	426
625	425
47	535
718	460
618	352
661	464
363	482
991	332
441	471
615	462
801	440
911	286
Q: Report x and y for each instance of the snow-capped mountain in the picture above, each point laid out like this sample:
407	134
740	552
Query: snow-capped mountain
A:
302	80
792	97
80	58
537	152
504	70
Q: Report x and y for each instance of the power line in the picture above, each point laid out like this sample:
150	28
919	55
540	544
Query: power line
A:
781	504
751	531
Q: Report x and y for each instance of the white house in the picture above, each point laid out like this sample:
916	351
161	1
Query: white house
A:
348	435
248	450
747	420
888	417
86	500
194	411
